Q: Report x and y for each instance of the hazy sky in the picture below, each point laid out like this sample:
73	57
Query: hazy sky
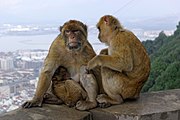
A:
49	11
144	14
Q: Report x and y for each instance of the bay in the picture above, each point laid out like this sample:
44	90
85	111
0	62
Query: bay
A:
13	43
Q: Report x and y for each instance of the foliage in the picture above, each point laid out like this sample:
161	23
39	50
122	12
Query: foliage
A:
164	53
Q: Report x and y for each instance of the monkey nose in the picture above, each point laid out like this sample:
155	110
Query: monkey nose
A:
72	37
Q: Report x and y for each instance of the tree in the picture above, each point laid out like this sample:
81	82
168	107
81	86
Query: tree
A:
165	62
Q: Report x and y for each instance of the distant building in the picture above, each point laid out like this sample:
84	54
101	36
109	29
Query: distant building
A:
30	59
4	91
14	88
33	64
6	63
29	55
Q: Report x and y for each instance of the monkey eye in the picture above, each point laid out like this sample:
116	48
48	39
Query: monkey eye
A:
75	31
67	31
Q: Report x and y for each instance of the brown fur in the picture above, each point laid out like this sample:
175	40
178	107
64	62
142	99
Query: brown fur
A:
125	64
71	50
69	91
65	89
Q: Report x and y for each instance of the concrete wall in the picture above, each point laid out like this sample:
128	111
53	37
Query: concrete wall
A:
163	105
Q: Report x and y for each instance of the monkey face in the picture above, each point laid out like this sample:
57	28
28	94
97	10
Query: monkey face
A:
100	34
104	31
74	33
108	26
60	74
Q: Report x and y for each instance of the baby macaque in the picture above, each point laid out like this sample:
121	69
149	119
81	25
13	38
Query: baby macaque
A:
65	89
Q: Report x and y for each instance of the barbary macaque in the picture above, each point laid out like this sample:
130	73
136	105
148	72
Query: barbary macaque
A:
64	89
125	64
71	50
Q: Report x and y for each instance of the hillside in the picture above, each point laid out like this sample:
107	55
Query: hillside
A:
164	53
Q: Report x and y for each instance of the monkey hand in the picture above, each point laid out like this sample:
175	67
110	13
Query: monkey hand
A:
32	103
93	63
85	105
104	51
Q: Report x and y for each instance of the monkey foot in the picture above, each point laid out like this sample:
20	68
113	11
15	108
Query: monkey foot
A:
105	101
51	99
85	105
104	105
102	101
70	103
102	98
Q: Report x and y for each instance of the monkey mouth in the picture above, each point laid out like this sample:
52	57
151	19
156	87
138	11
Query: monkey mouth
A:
74	45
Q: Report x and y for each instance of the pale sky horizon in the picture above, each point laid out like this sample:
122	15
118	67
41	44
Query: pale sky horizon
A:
46	11
133	14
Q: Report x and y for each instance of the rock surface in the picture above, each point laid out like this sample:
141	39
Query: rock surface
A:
47	112
164	105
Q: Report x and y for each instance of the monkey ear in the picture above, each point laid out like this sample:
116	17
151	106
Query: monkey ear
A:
60	28
106	20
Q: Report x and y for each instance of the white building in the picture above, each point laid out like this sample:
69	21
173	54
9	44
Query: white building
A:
29	55
6	63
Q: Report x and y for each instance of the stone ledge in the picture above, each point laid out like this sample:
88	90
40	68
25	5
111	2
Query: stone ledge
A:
163	105
47	112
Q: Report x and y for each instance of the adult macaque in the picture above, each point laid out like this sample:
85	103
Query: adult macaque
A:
125	65
71	50
64	89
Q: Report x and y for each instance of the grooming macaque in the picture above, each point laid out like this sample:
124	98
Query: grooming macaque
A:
125	65
65	90
71	50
